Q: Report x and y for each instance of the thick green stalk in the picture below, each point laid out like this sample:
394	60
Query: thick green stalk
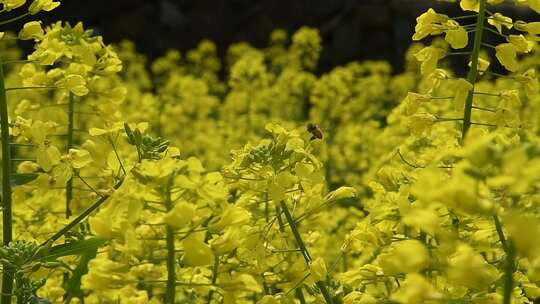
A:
300	295
509	261
69	185
509	273
214	278
7	231
300	242
170	293
473	71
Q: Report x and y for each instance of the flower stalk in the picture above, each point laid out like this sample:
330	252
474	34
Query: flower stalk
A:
509	261
170	293
7	221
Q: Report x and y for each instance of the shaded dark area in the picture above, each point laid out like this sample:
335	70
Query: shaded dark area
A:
351	29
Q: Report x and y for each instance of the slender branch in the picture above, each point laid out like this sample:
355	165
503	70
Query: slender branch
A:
483	109
81	217
487	94
483	124
499	75
298	284
118	156
443	119
496	32
406	161
17	61
87	184
30	88
464	17
305	253
14	19
417	166
458	53
488	45
285	250
334	265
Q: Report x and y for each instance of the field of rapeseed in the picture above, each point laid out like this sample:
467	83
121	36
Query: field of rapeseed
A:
253	179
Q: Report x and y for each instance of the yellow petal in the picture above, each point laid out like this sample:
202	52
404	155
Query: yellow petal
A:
197	252
456	35
507	56
462	88
31	30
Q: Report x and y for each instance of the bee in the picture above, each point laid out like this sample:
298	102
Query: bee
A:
315	131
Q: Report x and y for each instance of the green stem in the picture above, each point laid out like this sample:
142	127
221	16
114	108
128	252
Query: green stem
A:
484	109
70	127
496	32
458	53
214	278
7	231
14	19
300	295
464	17
509	264
305	253
500	232
499	75
487	94
17	61
443	119
170	293
491	46
473	71
30	88
118	156
509	273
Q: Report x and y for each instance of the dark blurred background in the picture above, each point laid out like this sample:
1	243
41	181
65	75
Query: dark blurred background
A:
351	29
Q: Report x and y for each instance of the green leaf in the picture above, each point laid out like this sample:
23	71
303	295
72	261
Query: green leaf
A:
129	132
22	178
73	248
74	284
